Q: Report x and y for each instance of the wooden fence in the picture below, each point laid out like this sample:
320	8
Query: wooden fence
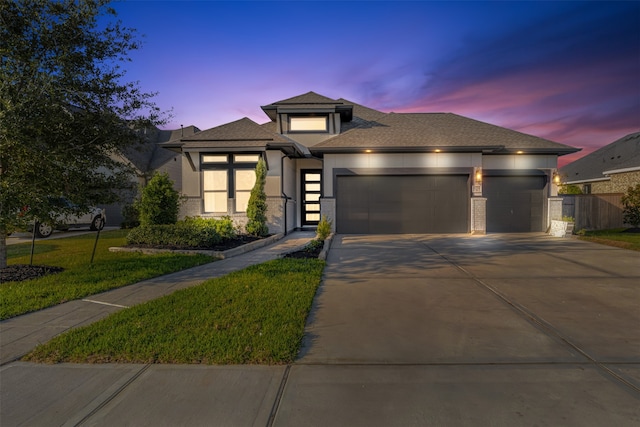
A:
594	211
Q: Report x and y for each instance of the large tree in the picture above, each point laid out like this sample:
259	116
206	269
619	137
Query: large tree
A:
66	108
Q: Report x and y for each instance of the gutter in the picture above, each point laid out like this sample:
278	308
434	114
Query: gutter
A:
632	169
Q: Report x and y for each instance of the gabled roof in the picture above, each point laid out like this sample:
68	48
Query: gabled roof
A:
309	102
622	155
431	131
240	134
150	155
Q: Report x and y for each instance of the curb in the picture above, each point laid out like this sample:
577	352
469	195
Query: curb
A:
215	254
326	247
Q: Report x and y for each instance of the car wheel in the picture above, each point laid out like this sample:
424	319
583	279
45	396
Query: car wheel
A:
97	223
43	230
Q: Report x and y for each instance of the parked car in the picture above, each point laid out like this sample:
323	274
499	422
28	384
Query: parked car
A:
94	220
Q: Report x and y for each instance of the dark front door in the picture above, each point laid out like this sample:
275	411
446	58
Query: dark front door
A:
311	193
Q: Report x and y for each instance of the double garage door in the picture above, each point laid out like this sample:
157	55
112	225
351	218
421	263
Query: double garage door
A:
390	204
394	204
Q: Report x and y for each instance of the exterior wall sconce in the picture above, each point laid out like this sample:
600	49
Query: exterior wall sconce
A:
556	178
479	175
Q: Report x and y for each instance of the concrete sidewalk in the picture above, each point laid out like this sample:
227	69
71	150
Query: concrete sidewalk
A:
21	334
500	330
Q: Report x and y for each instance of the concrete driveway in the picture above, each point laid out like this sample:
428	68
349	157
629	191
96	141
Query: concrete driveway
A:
470	330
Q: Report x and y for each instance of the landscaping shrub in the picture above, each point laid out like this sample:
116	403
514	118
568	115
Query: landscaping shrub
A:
631	202
324	228
188	234
257	206
159	202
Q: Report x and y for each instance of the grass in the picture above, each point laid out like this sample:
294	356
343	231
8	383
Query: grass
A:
253	316
614	237
80	278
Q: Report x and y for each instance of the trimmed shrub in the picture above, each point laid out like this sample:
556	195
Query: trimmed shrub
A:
203	233
257	206
159	202
324	228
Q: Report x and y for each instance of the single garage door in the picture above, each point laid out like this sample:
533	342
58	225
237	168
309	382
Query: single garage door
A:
393	204
514	203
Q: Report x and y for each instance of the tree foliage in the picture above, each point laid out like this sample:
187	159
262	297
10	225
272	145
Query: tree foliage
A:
569	189
631	206
257	206
159	202
66	111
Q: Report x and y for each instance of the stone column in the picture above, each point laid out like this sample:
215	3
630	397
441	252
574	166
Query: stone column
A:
328	209
478	215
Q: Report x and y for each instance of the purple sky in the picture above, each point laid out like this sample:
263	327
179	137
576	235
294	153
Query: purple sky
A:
566	71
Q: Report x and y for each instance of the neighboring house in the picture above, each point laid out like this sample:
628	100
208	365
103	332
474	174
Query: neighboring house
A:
373	172
146	159
611	169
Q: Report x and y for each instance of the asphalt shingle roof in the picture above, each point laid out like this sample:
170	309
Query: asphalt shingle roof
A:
366	128
623	153
437	130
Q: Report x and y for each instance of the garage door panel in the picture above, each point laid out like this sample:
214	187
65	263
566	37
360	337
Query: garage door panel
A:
402	204
514	203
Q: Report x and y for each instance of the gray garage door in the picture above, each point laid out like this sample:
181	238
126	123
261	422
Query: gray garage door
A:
402	204
514	203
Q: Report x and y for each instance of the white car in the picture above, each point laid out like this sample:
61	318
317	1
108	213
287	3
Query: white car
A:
95	220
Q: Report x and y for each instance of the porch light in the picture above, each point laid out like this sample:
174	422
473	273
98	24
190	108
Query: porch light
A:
556	178
479	175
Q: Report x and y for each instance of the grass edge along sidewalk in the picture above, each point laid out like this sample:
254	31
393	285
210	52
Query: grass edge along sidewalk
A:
252	316
80	278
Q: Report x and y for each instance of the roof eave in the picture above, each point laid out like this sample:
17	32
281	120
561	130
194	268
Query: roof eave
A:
406	149
632	169
582	181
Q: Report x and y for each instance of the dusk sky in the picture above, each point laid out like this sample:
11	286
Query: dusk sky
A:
566	71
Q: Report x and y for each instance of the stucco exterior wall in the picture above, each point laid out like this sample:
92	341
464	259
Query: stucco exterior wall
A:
519	161
379	161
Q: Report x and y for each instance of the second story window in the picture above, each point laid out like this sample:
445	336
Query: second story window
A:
308	124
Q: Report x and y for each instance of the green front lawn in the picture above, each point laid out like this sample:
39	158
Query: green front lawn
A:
253	316
80	278
615	237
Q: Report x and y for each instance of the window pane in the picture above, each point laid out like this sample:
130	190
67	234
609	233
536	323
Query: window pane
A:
245	179
312	177
215	158
312	207
215	180
215	201
312	217
245	158
242	200
307	123
312	187
310	197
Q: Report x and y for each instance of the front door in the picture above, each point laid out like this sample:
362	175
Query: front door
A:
311	193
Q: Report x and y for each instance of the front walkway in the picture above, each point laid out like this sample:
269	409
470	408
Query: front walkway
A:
21	334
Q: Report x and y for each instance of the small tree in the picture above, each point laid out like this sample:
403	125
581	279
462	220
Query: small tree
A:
159	202
631	202
257	206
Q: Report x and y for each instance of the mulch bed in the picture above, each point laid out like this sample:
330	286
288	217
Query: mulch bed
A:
20	272
313	252
226	245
